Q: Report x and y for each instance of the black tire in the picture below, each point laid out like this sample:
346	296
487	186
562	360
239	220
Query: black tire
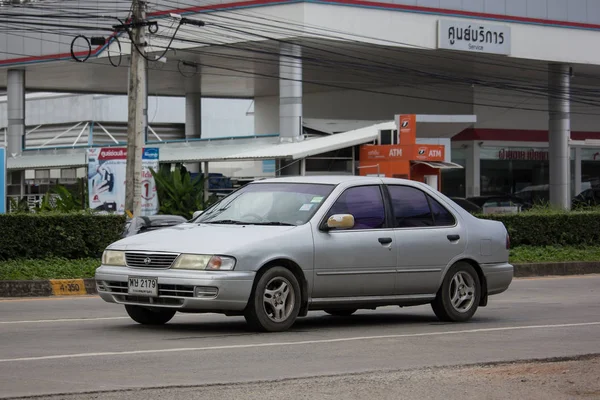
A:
147	316
442	305
260	316
341	312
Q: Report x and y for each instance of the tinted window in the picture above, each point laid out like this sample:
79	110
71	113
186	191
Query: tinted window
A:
441	216
365	203
410	207
414	208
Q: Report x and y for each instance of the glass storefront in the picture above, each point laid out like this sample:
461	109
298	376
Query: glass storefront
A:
453	180
521	171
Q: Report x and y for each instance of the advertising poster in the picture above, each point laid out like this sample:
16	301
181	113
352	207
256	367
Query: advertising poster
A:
107	176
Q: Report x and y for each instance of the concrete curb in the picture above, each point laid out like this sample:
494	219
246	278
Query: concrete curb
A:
557	269
48	287
71	287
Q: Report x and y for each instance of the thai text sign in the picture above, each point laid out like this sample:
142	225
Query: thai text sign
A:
415	152
473	37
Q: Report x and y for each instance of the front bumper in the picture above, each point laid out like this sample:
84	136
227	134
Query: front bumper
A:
206	291
498	277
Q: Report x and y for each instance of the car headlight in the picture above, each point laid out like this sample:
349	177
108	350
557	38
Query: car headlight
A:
204	262
113	258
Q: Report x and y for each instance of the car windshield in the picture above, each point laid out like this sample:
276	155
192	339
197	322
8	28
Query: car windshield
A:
268	204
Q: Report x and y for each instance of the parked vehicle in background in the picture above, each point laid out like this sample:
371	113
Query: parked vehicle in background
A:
277	248
150	223
500	204
588	198
467	205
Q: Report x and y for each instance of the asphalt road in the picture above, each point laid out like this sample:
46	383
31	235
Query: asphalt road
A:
71	345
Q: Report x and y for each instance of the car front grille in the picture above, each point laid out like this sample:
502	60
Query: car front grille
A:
164	290
150	260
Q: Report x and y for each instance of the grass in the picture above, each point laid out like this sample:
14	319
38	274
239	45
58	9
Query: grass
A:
52	268
529	254
58	268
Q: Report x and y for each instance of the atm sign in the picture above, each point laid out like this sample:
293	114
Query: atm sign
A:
429	152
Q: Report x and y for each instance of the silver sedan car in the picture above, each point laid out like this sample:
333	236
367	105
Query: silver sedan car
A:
278	248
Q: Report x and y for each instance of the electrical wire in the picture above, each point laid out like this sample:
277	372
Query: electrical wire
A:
379	69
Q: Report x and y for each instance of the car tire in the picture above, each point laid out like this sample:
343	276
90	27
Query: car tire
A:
461	281
341	312
275	301
147	316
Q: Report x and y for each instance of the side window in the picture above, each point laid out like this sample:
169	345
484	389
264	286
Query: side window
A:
365	203
411	208
441	216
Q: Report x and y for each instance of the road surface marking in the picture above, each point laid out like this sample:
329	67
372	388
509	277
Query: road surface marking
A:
34	321
299	343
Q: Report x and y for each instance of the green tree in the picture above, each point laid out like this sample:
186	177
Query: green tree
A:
178	193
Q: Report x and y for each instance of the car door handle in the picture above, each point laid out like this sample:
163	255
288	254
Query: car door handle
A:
386	240
453	238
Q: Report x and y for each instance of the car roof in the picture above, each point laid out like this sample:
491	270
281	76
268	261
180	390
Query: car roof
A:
331	179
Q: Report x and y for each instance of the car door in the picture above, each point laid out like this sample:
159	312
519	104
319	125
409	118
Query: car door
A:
360	261
428	236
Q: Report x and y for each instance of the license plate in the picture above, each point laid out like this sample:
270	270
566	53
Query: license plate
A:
143	286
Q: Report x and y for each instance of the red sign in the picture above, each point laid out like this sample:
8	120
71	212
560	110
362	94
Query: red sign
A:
529	155
113	154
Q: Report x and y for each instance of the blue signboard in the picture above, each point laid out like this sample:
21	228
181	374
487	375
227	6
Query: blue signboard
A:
2	180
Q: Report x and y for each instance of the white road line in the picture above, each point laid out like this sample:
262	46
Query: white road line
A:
305	342
60	320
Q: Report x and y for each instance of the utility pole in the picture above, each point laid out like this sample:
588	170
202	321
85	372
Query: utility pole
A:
137	121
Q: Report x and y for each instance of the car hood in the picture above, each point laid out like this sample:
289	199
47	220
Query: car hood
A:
200	238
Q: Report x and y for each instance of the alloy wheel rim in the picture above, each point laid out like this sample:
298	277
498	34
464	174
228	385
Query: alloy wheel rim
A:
278	299
462	292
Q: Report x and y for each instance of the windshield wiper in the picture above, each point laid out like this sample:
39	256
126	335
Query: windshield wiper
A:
234	222
224	221
274	223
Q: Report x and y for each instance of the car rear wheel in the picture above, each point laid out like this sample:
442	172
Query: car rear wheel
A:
275	302
147	316
458	298
341	312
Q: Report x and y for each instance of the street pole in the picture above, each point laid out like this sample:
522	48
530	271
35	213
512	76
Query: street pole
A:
137	122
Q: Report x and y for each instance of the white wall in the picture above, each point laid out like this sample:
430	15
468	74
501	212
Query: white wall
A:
266	115
358	105
220	117
513	113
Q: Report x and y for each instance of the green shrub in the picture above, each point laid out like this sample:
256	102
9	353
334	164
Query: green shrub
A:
48	268
551	228
70	236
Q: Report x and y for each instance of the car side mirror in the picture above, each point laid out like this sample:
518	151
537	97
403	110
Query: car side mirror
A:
197	214
340	221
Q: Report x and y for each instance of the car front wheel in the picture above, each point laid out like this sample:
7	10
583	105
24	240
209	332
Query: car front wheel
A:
458	298
275	301
147	316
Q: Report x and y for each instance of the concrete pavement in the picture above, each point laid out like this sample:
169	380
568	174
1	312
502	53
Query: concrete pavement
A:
69	345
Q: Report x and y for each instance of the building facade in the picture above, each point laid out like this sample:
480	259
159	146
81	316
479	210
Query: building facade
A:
526	70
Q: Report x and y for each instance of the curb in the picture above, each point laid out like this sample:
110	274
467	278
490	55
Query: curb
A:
48	287
77	287
557	269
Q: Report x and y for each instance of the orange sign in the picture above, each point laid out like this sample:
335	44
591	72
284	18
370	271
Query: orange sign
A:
426	152
407	128
385	152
